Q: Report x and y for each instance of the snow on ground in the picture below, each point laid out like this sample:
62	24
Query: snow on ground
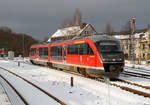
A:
84	92
12	95
142	66
132	86
138	80
30	93
4	100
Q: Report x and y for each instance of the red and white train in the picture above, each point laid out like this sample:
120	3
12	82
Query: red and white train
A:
96	56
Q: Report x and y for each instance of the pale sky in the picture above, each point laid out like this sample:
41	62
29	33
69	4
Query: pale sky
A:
41	18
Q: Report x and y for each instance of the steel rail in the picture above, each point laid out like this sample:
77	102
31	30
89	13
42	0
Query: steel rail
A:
142	70
146	76
50	95
113	84
22	98
135	84
121	87
128	89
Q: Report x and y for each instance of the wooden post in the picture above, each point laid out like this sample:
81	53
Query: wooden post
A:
71	81
18	63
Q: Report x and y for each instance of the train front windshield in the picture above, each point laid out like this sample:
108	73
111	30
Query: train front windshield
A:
110	46
109	50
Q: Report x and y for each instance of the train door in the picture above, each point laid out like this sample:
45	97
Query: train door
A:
37	50
90	56
64	57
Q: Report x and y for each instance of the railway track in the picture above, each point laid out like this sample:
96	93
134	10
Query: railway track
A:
134	84
20	96
145	74
140	70
134	74
32	84
134	91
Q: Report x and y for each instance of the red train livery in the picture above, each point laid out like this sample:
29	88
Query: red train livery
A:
97	55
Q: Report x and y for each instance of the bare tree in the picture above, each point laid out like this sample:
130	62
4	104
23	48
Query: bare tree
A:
76	20
109	29
46	38
77	17
126	28
5	29
66	23
148	26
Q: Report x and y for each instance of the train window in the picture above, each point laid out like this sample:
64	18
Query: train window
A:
85	49
80	49
56	52
43	52
73	49
76	49
40	52
89	50
46	51
32	50
106	46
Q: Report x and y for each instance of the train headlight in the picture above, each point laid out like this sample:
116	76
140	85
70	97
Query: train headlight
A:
113	60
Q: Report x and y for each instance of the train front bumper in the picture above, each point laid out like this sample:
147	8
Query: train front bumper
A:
104	72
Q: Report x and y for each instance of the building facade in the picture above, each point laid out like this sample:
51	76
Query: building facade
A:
141	45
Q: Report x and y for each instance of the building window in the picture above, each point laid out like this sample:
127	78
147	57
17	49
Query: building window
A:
127	47
143	55
143	46
148	56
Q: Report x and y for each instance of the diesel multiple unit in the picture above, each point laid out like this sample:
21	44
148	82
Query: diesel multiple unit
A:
96	56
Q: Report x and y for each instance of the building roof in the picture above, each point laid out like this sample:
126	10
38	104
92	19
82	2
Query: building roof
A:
136	36
66	31
70	31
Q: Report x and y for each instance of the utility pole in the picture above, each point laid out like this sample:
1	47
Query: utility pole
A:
132	40
23	46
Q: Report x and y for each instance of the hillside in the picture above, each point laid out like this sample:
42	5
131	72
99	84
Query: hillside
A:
14	41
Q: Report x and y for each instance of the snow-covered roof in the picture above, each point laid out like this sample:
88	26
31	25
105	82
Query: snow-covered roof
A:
66	31
69	31
136	36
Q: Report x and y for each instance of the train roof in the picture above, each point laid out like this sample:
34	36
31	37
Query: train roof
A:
94	38
41	43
